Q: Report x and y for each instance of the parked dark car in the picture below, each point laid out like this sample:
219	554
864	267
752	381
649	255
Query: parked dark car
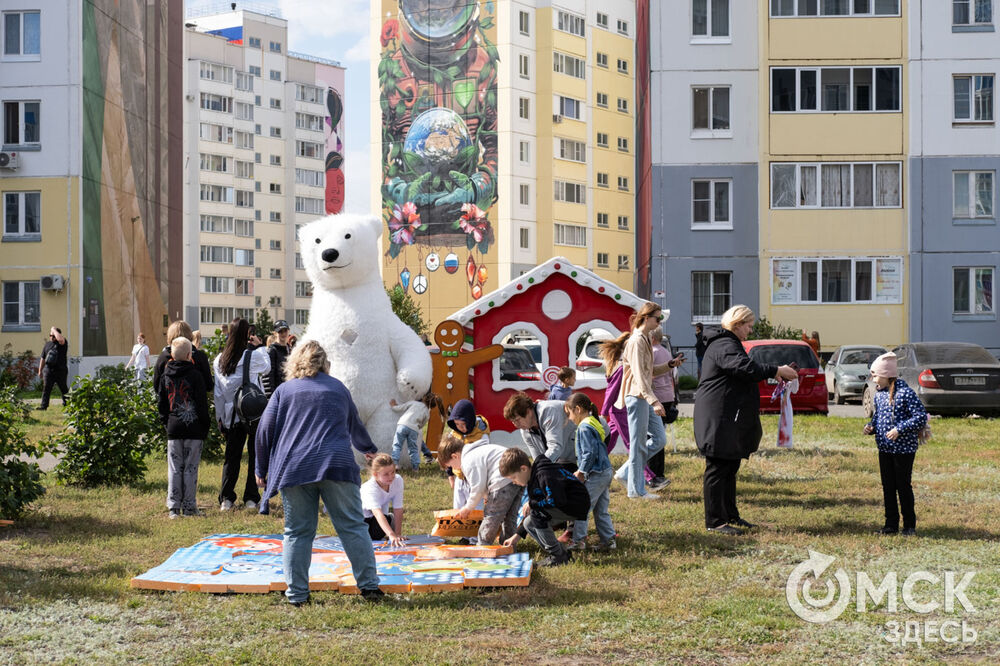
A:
950	378
517	365
847	371
811	396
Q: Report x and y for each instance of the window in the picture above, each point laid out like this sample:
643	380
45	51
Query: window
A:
622	66
22	35
710	19
256	158
622	27
244	257
274	188
22	215
570	108
837	280
309	121
256	186
216	315
602	140
623	222
307	93
274	216
602	20
523	108
309	149
973	98
275	75
253	69
525	197
711	203
711	109
575	151
216	193
623	144
524	22
275	103
602	60
602	259
256	215
299	264
275	160
275	273
21	123
569	234
711	294
602	100
244	287
623	105
569	65
216	254
274	244
835	89
244	169
309	177
570	23
973	290
244	199
309	205
828	185
972	12
303	289
276	132
973	194
524	152
274	47
623	183
213	72
301	317
247	313
217	224
834	8
523	66
22	306
570	192
524	238
215	285
602	220
253	42
244	81
210	132
211	102
257	130
244	111
602	179
624	263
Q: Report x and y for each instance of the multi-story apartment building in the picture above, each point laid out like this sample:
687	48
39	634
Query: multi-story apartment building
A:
264	152
954	60
90	172
523	111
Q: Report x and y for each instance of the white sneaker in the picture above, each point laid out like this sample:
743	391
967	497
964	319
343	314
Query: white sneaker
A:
250	505
227	505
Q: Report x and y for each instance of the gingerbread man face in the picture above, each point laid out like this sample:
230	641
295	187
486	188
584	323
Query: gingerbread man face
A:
449	336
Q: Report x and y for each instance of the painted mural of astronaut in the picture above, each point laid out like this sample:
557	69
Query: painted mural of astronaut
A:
438	94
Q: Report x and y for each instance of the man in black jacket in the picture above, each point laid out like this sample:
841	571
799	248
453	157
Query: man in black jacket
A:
183	405
554	495
53	367
278	352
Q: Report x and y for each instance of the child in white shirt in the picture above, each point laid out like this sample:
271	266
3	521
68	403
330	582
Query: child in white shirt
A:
415	415
383	489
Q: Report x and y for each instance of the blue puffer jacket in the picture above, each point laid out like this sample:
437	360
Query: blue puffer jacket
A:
906	414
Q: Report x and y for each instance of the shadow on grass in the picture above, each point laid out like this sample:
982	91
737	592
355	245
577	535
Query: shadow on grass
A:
58	582
814	502
75	528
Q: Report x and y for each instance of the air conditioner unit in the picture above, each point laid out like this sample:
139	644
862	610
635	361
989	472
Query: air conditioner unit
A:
556	118
52	282
8	160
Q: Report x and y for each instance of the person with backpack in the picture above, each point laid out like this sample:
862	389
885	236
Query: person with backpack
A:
239	403
181	329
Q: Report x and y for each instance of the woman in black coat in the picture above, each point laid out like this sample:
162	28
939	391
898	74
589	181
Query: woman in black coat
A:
727	415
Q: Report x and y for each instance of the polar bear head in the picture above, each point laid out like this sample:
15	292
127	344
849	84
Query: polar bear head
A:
341	250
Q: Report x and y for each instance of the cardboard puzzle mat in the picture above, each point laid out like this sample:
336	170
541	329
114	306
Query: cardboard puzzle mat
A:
251	563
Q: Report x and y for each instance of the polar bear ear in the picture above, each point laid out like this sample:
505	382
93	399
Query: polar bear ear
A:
375	224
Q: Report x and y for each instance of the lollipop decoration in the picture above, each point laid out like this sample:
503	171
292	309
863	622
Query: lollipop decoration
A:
550	375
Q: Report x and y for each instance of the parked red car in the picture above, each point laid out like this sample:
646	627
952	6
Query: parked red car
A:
811	396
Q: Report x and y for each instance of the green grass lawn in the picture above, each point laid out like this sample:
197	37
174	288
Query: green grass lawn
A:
671	592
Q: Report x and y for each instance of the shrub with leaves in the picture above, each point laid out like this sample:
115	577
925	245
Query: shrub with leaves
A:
20	481
20	370
111	426
407	309
765	330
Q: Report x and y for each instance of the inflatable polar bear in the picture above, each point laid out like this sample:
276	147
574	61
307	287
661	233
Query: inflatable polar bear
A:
371	351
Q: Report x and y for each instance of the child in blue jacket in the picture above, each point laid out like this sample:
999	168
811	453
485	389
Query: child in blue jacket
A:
897	421
594	469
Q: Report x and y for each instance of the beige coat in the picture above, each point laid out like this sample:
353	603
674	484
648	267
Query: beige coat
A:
638	370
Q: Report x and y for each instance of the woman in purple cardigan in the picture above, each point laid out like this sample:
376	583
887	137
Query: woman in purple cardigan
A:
304	442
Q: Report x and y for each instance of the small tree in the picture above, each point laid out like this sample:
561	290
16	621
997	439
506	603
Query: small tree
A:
765	330
20	481
264	324
407	309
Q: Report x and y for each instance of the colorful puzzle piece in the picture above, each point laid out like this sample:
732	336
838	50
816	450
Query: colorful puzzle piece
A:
251	563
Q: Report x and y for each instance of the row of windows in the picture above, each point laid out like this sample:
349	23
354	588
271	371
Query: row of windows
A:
254	43
568	107
571	23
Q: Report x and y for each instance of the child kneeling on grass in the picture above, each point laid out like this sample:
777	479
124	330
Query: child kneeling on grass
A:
383	489
554	495
479	463
594	469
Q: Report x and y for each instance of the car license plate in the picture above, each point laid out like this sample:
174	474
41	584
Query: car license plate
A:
970	381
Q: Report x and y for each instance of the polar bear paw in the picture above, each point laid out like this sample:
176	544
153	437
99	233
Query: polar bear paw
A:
408	385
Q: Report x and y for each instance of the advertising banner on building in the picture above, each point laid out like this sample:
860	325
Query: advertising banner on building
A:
783	281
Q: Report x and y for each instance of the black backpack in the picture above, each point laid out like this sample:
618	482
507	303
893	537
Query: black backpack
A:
249	400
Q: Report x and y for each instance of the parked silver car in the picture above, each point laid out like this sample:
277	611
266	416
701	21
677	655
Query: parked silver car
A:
847	371
948	377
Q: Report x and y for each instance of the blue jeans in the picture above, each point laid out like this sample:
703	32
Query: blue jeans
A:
599	486
411	438
343	500
646	437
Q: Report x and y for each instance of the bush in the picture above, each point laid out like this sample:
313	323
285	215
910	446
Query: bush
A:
20	481
765	330
687	382
407	309
111	427
20	370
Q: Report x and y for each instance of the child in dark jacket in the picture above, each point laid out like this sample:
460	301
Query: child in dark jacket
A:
554	495
183	406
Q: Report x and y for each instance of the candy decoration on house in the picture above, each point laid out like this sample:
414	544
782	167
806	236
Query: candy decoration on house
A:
451	371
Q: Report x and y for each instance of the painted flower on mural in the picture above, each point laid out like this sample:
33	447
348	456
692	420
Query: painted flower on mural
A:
473	222
403	223
390	31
